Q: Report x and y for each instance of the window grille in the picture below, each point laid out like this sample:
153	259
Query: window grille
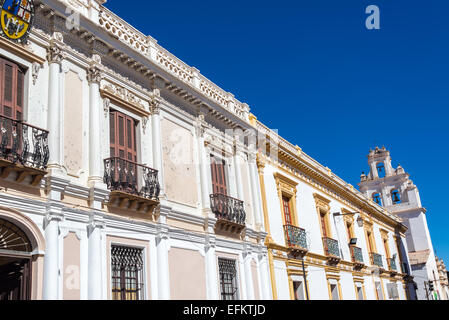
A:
228	279
127	273
392	291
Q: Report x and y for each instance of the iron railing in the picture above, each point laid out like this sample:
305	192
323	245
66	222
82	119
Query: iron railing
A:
331	247
296	237
376	260
228	208
130	177
392	264
356	254
23	143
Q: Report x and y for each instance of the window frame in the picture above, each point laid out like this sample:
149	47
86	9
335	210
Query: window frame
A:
143	272
13	103
235	281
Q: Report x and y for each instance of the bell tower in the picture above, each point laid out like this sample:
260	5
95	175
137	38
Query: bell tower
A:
393	189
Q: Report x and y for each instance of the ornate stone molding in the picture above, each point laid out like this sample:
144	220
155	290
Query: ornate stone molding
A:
35	71
155	102
106	106
55	52
94	73
125	97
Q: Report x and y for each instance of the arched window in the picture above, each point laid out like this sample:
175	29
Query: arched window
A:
395	196
377	199
12	238
380	169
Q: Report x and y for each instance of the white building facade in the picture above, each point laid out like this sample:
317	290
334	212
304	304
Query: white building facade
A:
118	195
392	188
326	240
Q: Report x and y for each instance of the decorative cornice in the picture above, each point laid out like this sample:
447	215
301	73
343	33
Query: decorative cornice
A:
21	51
125	98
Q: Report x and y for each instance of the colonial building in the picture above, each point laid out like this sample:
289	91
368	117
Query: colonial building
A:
121	177
325	239
392	188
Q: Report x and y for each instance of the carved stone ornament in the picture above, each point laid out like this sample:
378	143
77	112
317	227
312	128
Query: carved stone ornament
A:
155	102
106	106
144	124
35	71
94	74
125	95
55	53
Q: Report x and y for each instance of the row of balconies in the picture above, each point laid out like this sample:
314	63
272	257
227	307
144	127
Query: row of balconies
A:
296	239
24	148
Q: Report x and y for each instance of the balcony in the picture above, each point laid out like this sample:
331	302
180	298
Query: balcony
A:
392	265
376	260
296	240
230	213
331	250
133	186
357	257
24	150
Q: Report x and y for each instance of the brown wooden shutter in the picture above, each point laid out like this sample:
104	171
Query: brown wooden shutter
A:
218	176
123	136
11	90
323	225
287	213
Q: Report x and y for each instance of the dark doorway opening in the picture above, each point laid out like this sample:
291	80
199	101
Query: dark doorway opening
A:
15	276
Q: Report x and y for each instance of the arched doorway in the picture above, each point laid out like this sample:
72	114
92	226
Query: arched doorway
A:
15	262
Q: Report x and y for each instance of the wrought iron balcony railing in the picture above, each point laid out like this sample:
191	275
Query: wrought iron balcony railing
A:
23	143
356	254
296	237
376	260
228	208
130	177
331	247
392	264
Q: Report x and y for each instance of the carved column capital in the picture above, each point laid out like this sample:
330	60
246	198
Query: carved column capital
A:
55	53
94	74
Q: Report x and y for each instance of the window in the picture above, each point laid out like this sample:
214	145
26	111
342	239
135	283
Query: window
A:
127	273
334	292
323	225
377	199
395	196
350	231
123	136
228	279
392	289
287	211
11	90
218	176
298	287
360	292
380	170
380	295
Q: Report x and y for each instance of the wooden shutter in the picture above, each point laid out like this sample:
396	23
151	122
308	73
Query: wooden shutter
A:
287	213
122	136
323	225
11	90
218	176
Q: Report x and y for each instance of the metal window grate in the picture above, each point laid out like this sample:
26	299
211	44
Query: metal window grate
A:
228	279
127	273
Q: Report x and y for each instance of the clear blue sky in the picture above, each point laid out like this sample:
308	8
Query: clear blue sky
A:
313	71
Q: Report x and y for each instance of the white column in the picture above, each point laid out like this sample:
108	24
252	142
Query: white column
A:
54	57
238	174
51	260
95	282
156	137
211	269
248	275
204	165
255	189
95	125
265	276
162	258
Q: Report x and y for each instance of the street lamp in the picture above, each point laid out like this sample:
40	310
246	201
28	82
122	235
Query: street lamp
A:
359	219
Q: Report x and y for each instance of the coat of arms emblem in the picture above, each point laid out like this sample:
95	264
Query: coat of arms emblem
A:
16	19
